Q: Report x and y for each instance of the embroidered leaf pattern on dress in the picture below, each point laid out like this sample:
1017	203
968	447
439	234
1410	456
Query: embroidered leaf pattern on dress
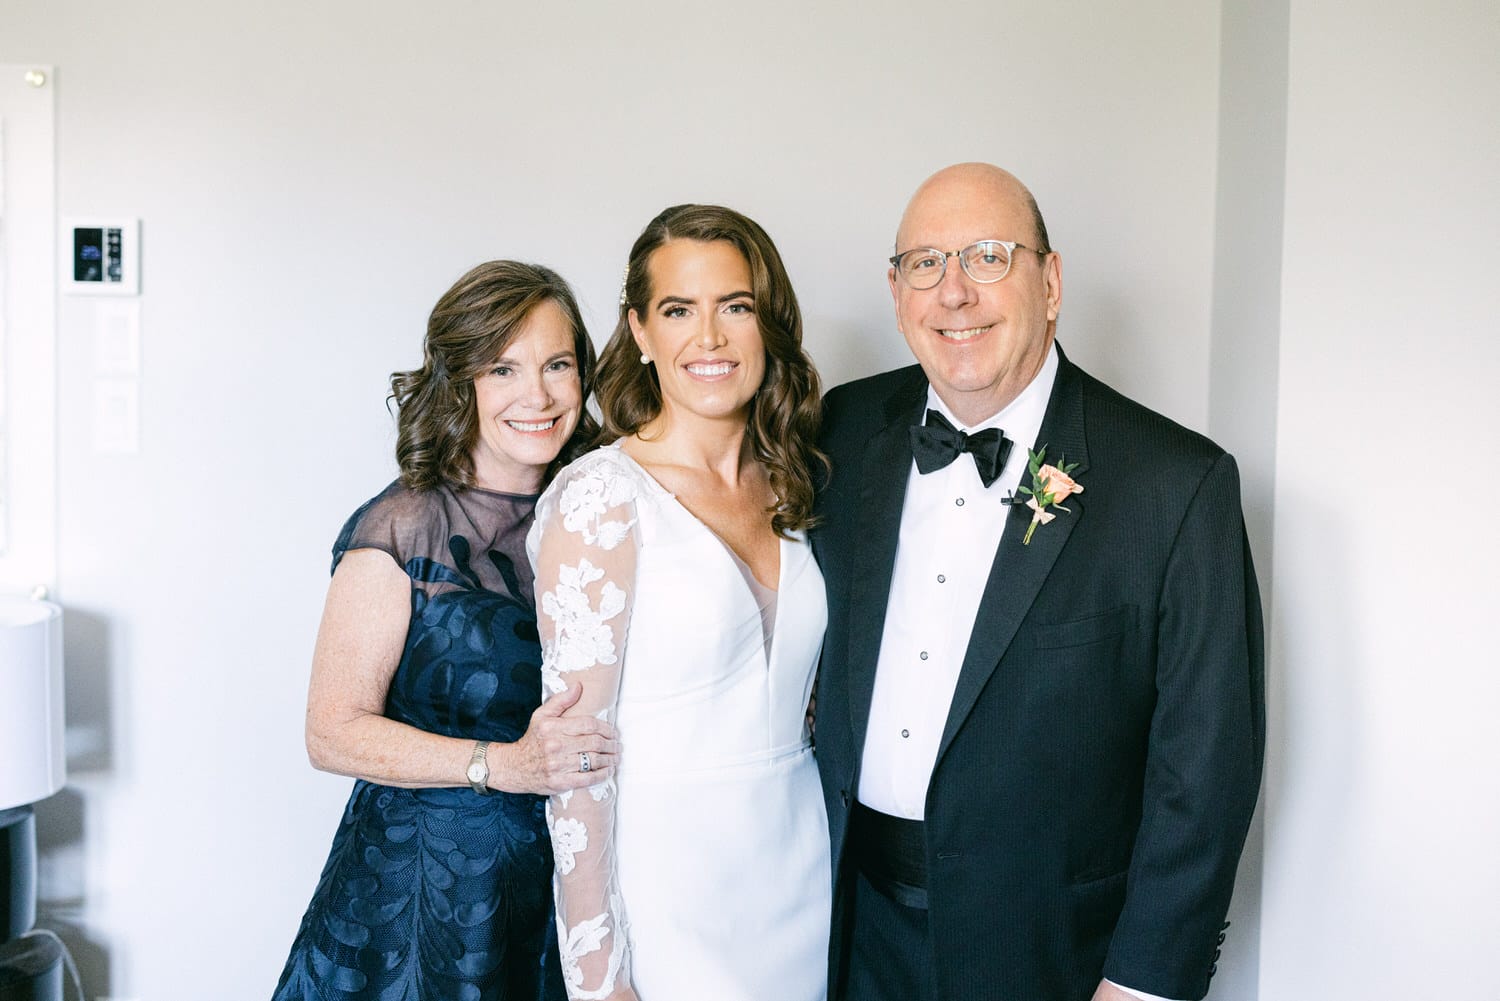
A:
421	883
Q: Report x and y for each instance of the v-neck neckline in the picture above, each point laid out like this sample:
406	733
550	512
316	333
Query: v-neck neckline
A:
740	563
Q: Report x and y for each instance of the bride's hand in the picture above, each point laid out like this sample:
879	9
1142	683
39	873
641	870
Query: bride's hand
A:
548	758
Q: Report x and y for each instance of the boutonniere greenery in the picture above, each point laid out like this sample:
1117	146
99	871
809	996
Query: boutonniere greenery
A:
1049	484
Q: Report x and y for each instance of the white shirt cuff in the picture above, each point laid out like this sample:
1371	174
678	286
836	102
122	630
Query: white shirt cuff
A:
1138	994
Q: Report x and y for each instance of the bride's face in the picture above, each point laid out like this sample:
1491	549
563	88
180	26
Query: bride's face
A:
700	330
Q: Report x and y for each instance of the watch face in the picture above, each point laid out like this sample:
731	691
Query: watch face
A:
478	773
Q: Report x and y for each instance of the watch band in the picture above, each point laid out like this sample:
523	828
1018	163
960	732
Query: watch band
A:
479	766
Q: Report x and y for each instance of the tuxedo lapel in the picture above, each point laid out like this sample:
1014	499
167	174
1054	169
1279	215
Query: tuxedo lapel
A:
1018	572
883	475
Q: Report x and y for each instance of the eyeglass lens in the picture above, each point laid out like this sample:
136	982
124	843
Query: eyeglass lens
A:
985	261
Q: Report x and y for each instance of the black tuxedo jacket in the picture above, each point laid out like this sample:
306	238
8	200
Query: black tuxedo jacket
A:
1103	750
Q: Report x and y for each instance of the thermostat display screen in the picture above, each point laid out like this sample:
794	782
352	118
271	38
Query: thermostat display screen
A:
96	255
104	255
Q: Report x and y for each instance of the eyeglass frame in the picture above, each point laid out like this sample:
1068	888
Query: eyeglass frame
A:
1010	246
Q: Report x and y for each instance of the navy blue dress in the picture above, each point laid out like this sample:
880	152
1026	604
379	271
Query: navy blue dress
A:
442	893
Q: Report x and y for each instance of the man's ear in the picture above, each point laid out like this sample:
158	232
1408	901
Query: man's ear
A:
1052	270
890	276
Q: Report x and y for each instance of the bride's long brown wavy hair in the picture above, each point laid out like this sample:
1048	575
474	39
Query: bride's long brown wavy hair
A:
782	427
471	325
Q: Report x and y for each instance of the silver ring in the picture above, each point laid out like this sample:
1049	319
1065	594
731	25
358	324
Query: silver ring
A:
583	761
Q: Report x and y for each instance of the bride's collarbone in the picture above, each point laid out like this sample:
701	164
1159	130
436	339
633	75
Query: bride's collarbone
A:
738	514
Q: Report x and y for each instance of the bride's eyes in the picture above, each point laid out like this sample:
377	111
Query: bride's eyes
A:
737	307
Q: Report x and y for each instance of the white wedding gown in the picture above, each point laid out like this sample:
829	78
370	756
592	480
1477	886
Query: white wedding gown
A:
701	870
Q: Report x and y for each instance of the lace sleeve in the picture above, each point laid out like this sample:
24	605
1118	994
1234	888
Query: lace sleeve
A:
585	558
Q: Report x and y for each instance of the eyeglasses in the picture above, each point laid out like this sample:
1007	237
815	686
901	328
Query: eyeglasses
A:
986	262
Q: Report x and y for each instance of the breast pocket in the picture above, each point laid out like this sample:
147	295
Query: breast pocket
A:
1083	631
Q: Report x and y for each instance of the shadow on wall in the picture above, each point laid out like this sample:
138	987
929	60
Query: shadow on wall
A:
61	821
1313	809
1239	969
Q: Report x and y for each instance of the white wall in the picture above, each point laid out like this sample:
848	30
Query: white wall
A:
28	345
1382	804
311	176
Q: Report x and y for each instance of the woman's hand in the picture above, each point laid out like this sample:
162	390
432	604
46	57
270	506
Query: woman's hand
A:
546	760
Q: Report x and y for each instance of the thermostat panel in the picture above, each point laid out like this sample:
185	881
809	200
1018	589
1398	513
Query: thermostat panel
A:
104	256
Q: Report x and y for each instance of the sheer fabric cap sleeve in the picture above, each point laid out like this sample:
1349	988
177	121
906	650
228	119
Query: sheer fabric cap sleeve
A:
583	547
399	522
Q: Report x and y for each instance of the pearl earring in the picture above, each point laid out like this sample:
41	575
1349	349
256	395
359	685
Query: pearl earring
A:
645	359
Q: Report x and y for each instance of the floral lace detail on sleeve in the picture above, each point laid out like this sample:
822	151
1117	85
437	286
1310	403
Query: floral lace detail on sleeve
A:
584	551
587	499
580	637
568	837
588	937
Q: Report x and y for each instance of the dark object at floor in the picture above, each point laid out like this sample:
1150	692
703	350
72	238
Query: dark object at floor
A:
31	968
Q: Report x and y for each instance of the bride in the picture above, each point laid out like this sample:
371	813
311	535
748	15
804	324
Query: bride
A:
675	582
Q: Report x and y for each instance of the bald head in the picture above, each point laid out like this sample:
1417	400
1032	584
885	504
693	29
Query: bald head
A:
979	341
951	194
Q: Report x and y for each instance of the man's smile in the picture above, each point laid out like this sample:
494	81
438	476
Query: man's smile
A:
965	334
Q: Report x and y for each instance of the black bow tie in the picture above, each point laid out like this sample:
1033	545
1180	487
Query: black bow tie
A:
937	443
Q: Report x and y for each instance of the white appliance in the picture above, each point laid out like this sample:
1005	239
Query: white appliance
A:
33	764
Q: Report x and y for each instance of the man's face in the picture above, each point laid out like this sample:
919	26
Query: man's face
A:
978	344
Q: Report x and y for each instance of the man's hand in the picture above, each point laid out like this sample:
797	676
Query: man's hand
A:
1109	992
1112	992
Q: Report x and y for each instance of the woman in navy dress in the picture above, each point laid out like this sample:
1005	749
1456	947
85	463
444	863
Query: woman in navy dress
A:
426	683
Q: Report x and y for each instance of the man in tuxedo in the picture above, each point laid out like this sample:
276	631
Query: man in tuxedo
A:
1040	728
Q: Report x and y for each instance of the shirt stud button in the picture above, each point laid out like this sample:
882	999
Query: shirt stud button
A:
906	733
923	655
959	502
942	579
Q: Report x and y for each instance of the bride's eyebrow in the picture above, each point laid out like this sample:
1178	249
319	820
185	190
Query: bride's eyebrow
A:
679	300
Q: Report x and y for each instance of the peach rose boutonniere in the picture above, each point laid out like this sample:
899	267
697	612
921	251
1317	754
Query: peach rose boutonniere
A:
1049	484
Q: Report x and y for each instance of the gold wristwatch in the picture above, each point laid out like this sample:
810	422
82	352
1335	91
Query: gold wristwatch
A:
478	772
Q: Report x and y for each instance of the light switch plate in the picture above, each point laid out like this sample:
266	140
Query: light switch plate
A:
117	337
117	416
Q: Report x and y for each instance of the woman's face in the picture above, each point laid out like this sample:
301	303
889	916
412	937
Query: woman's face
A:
700	330
528	403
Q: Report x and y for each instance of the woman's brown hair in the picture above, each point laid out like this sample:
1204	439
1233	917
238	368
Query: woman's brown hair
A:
784	415
437	424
